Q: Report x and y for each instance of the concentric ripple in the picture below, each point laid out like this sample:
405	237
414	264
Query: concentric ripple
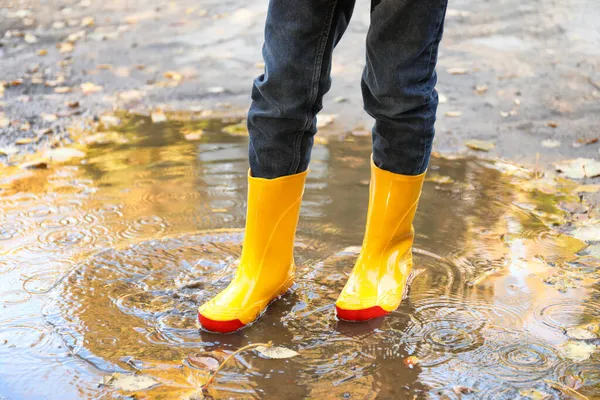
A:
564	314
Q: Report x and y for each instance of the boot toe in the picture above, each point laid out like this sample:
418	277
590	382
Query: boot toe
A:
364	314
212	325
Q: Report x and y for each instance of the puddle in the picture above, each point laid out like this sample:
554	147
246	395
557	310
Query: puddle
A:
104	263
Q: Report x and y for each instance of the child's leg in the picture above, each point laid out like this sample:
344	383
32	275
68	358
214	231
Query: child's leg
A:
399	80
398	90
299	39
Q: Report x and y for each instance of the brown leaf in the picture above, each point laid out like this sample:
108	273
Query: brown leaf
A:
552	124
584	141
40	163
204	362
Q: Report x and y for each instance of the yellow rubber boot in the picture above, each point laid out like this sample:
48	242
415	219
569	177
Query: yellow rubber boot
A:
266	267
378	280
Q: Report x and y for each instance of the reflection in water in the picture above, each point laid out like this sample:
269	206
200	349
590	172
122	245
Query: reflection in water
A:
103	265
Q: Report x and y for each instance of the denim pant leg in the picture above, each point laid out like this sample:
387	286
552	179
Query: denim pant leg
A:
299	39
399	81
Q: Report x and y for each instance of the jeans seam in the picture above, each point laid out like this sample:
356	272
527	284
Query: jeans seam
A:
314	84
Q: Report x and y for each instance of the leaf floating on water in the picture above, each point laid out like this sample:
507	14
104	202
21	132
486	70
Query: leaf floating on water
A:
64	154
453	114
411	361
276	352
480	145
580	333
193	135
439	179
8	151
158	116
590	233
576	351
579	168
173	75
204	362
534	394
550	143
552	124
572	381
130	382
4	122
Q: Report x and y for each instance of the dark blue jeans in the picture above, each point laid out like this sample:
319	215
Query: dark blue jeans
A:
398	82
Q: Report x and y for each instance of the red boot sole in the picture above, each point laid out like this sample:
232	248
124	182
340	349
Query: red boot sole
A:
220	326
360	315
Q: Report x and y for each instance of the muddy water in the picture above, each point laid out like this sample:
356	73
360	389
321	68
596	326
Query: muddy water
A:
104	262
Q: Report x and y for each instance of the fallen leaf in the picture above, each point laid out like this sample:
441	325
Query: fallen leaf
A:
30	38
204	362
72	104
504	114
580	333
4	122
65	47
573	382
587	141
340	99
39	163
439	179
49	117
130	95
457	71
8	151
104	66
88	21
64	154
89	87
411	361
552	124
587	233
480	145
325	119
517	102
175	76
62	89
58	25
442	99
158	116
453	114
42	52
576	351
25	126
551	143
215	90
110	120
276	352
130	382
481	89
194	135
534	394
25	140
579	168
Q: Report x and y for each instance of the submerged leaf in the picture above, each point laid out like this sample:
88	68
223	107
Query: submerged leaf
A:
203	362
580	333
276	352
129	382
158	116
576	351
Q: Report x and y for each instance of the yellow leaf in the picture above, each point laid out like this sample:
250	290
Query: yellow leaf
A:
89	87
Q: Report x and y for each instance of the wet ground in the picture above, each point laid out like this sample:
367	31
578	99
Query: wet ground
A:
105	260
523	75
